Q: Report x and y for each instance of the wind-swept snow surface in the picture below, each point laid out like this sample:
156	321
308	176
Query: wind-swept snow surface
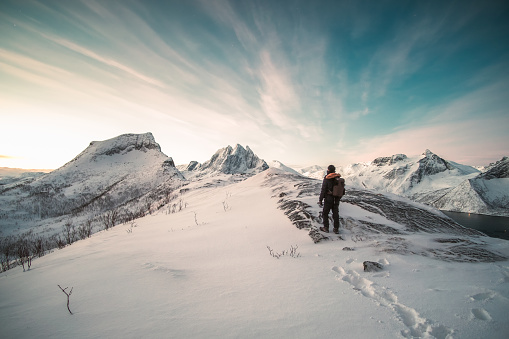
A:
211	271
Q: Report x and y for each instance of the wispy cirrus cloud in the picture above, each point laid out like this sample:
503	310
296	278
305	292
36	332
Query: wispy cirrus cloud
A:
311	76
129	71
274	74
470	129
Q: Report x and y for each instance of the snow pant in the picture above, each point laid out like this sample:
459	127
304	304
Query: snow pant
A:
327	207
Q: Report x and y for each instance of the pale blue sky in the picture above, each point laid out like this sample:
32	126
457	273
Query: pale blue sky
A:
303	82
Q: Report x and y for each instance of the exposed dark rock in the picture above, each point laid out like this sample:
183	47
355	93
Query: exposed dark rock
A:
457	243
395	173
192	166
126	143
371	266
316	235
500	169
297	213
383	161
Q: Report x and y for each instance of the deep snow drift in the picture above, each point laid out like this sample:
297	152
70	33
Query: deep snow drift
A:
211	270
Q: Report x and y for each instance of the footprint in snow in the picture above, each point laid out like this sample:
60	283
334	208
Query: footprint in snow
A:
483	296
481	314
505	274
417	326
382	275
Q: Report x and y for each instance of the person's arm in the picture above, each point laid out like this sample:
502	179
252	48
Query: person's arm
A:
322	193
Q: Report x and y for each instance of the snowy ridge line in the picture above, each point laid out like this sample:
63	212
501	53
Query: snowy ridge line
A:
418	327
392	226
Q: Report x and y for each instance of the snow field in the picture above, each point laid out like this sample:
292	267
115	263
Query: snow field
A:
206	272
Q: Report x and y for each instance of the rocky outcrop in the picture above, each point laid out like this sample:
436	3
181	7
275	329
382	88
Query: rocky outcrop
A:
371	266
383	161
387	222
499	170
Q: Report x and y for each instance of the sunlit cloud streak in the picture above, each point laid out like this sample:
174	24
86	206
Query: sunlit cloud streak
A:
297	81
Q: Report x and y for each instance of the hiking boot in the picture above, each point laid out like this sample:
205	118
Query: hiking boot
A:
323	229
335	230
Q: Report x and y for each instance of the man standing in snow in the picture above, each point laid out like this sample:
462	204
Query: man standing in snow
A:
331	200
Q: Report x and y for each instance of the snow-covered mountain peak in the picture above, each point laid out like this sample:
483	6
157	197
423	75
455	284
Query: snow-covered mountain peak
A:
428	154
430	164
122	155
230	160
122	144
106	175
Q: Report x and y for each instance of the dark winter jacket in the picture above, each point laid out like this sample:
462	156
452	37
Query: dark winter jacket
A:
327	184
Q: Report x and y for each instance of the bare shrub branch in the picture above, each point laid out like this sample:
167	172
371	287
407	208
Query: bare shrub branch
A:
68	294
292	252
110	219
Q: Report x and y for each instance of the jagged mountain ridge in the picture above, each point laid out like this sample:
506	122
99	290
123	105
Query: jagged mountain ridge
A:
228	160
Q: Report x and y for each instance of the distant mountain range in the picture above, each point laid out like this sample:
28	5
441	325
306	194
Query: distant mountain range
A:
130	175
432	180
9	175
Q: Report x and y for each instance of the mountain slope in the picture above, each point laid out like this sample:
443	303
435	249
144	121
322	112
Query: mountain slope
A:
210	272
488	193
279	165
106	175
